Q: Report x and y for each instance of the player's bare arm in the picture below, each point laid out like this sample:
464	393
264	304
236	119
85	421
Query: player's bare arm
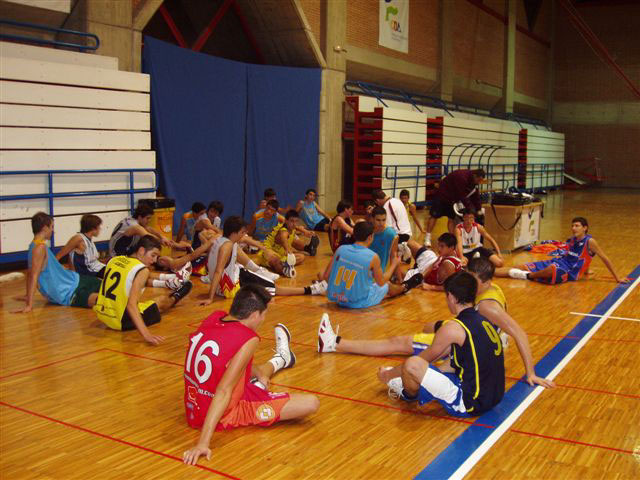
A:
38	260
139	282
496	315
344	225
459	251
220	401
322	212
224	254
74	243
595	248
327	271
485	234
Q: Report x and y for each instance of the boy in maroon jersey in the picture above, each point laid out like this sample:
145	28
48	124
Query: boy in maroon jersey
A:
222	387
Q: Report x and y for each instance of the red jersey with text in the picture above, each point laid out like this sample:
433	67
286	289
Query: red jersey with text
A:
432	278
211	348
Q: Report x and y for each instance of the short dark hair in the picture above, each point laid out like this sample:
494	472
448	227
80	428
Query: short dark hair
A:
479	172
250	298
404	192
449	239
197	207
148	242
142	210
378	194
89	222
582	221
343	205
233	224
309	190
362	230
39	221
482	267
273	203
369	203
378	211
291	214
216	205
468	211
463	286
269	192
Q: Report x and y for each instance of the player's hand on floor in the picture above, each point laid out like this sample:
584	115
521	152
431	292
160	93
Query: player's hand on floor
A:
206	302
190	457
624	280
536	380
20	298
154	339
26	309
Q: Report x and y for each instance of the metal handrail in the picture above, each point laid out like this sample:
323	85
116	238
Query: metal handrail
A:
44	41
50	195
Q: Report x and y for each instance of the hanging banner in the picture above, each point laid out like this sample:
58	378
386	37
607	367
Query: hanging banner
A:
394	25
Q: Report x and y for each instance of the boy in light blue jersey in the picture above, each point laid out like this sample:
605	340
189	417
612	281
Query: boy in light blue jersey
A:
385	239
355	277
57	284
311	214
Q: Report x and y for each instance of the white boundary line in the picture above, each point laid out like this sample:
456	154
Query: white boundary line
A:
612	318
519	410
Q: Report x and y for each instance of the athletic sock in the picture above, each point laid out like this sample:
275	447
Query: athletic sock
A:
307	290
252	266
167	276
278	363
158	283
519	274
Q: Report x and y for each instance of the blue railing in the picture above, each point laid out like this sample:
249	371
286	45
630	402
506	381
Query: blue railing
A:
502	177
415	99
44	41
51	195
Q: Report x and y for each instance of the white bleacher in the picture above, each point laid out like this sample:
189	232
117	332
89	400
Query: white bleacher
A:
404	142
62	110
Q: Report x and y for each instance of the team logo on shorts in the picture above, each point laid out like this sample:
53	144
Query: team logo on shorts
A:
265	412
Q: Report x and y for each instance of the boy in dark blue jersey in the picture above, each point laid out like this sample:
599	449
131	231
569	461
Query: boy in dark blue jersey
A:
473	381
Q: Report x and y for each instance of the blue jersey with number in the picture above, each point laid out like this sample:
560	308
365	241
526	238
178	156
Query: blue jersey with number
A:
351	278
382	245
310	215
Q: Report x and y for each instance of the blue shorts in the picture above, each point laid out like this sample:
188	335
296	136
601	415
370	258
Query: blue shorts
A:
562	272
374	297
447	385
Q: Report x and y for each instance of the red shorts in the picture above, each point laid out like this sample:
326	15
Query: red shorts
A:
256	407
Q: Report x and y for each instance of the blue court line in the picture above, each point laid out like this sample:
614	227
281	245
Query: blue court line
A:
450	459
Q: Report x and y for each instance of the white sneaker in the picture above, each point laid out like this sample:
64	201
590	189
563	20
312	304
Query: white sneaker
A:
174	283
266	273
404	251
319	288
476	255
326	336
395	388
283	350
288	271
184	273
291	259
427	240
205	279
504	338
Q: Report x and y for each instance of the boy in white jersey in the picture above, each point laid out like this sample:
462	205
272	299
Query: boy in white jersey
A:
469	235
230	268
83	254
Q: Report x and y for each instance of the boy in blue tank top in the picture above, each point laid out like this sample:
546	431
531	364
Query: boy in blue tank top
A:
385	239
57	284
355	277
311	214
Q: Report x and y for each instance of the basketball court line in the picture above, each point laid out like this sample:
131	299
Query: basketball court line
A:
611	318
114	439
51	363
465	451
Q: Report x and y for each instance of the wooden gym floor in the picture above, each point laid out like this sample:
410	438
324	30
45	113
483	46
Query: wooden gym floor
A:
80	401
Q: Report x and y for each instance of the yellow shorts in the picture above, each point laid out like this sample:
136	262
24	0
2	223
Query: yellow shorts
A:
421	341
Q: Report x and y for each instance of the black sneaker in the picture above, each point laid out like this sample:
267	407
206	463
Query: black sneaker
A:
413	282
312	247
184	290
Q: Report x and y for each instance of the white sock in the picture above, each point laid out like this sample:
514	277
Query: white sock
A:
251	266
517	273
167	276
158	283
278	362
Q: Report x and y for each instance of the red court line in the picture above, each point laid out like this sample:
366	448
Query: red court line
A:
51	363
574	442
109	437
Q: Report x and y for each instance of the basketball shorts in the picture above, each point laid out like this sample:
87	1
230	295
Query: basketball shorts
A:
256	407
374	297
484	252
86	286
445	388
319	227
247	277
150	316
199	266
403	237
561	271
421	341
440	208
424	259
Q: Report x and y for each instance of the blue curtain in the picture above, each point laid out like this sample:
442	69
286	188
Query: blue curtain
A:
226	130
282	132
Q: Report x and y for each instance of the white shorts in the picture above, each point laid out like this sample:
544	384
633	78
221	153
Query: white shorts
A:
425	260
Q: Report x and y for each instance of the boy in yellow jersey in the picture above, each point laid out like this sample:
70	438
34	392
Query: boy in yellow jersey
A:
119	306
489	302
411	208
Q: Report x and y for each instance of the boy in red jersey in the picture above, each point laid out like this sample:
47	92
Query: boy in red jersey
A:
222	387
